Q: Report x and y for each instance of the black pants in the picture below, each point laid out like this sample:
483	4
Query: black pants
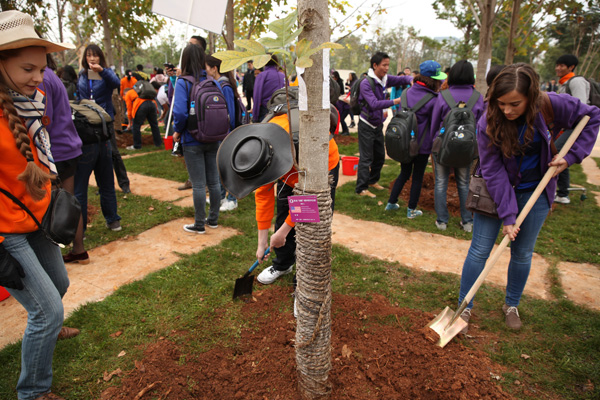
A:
119	167
416	168
372	155
249	100
285	256
146	111
564	178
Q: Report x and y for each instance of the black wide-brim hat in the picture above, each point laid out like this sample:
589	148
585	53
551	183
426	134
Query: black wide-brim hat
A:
253	155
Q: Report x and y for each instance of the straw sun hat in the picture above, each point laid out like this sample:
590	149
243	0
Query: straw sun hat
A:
17	31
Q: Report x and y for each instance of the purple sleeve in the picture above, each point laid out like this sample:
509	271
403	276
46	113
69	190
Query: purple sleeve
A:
256	97
367	94
395	80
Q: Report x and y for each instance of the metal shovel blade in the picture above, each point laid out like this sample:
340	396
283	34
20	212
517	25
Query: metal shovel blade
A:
445	327
243	286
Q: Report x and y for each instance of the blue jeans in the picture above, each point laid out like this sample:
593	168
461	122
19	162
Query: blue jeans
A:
227	195
45	282
201	163
97	157
442	173
485	232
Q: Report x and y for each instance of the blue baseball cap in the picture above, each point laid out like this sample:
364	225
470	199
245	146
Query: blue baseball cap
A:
432	69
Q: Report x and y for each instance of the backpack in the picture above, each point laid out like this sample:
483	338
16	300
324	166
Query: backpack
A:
145	90
594	98
355	104
208	119
277	105
456	145
242	117
401	135
91	121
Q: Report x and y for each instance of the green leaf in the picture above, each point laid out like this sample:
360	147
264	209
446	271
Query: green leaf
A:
304	62
284	31
330	45
261	61
250	45
231	59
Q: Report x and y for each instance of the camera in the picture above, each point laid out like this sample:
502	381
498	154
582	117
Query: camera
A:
169	65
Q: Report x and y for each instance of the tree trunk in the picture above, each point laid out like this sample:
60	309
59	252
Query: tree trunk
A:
313	249
488	15
229	34
514	22
102	6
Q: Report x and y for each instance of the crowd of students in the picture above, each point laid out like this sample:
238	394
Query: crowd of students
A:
513	138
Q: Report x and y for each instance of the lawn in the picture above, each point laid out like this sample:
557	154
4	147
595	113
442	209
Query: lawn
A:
555	355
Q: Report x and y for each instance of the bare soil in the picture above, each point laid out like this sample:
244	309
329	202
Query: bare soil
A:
379	351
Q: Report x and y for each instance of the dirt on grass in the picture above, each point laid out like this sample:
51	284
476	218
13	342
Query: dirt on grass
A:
378	351
426	200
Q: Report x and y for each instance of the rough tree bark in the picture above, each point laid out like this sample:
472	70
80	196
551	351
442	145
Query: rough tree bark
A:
102	6
229	29
514	22
313	251
488	15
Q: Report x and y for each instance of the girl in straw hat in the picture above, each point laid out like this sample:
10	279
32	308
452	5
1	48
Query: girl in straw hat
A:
31	267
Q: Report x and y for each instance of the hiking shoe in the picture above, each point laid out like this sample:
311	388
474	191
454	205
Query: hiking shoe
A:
228	206
377	186
187	185
441	225
67	333
466	316
81	258
467	226
410	214
366	193
513	321
114	226
269	275
562	200
392	207
213	226
193	229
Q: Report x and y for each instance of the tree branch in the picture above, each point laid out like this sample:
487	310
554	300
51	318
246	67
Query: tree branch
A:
378	8
475	15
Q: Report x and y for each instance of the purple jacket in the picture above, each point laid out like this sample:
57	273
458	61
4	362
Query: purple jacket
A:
441	108
502	174
376	103
265	84
413	95
66	143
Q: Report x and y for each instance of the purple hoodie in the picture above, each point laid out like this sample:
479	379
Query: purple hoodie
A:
413	95
501	173
441	108
265	84
64	140
376	103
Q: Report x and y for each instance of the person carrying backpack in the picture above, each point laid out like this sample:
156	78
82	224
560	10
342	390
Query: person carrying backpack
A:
265	84
427	83
141	107
200	157
213	64
370	126
461	79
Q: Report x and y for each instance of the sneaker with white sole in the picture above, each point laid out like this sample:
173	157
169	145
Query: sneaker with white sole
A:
562	200
513	320
213	226
114	226
441	225
467	226
228	206
392	207
194	229
410	213
270	275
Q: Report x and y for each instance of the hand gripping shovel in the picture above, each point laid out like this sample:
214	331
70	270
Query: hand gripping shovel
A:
243	285
446	324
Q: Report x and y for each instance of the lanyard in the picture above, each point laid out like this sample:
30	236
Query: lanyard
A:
91	89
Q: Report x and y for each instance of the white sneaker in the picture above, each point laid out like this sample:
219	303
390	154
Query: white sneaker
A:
228	206
441	225
468	226
562	200
270	275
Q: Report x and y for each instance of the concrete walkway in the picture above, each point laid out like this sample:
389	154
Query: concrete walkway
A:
111	265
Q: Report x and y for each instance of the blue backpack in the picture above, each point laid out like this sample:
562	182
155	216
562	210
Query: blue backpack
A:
208	119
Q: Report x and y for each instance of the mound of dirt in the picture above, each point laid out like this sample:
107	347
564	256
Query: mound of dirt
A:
378	352
426	200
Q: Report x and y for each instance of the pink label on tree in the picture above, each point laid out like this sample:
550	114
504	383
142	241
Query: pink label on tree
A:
304	208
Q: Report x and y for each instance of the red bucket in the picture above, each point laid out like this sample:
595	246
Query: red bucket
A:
4	294
349	165
168	143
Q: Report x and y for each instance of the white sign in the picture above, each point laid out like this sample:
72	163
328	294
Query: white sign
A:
204	14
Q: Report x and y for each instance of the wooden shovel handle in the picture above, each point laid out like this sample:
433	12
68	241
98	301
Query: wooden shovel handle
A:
536	194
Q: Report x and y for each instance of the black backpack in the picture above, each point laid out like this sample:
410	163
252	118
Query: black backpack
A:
401	135
594	98
277	105
92	122
456	145
145	90
242	117
355	104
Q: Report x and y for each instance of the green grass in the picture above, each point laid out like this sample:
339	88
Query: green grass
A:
597	159
190	301
160	164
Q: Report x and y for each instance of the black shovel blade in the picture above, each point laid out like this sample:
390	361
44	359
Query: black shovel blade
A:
243	287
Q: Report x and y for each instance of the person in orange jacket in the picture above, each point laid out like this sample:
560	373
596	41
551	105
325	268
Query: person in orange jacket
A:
283	241
138	110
